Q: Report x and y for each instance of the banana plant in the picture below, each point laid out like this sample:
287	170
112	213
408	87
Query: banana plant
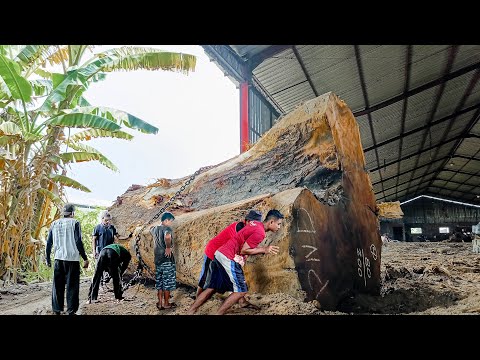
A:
38	108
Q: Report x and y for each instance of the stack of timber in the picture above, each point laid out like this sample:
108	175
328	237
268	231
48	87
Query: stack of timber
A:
310	165
390	210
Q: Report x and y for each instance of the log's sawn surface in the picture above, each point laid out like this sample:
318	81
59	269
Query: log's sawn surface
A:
310	166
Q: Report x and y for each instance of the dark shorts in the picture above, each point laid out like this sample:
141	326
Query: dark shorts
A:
165	276
204	272
225	275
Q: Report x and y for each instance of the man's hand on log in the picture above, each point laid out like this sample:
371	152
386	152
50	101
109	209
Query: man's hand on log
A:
271	249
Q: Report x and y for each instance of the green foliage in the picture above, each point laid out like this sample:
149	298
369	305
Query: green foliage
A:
88	220
36	114
43	274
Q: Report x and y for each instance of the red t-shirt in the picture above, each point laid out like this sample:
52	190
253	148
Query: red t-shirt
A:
220	239
253	233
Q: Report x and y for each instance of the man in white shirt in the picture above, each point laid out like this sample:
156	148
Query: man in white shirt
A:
65	236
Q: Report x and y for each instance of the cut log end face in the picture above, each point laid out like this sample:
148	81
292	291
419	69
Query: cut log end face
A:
323	240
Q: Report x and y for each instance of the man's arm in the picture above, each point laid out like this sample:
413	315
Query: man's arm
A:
49	247
126	257
94	241
270	249
168	243
78	241
114	233
94	245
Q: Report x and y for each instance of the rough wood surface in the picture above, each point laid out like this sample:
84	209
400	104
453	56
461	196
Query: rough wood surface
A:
390	210
330	244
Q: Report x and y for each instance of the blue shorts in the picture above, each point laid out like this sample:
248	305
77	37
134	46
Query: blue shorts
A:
165	276
225	275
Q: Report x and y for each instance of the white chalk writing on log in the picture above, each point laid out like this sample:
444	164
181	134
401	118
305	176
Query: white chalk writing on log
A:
310	253
311	223
373	250
363	266
320	281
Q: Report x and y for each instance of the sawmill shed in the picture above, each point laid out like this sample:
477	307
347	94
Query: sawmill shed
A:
417	107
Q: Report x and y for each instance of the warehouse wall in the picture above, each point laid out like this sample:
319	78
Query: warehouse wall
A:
430	214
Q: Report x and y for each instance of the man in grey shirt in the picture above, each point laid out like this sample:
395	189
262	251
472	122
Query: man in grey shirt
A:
66	237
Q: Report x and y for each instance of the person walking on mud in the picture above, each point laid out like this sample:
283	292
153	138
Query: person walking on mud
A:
65	236
165	267
226	270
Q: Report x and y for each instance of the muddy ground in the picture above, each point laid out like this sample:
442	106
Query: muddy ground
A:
417	278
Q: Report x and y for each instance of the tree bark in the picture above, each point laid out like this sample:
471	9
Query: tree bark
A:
310	166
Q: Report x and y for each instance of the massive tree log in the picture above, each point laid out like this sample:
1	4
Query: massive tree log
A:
310	166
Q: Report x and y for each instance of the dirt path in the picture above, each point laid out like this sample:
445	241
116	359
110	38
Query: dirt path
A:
417	278
33	299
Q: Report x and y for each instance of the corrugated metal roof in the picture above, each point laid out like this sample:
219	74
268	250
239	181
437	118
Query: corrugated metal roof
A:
248	50
466	55
384	69
419	108
387	122
470	146
443	79
428	63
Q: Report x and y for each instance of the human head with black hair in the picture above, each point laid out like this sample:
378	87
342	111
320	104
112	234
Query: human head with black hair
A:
167	216
274	213
273	220
68	210
254	215
106	218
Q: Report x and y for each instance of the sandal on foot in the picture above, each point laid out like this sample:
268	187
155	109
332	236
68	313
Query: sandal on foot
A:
159	307
172	305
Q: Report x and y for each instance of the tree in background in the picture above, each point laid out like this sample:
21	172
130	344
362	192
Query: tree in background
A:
38	109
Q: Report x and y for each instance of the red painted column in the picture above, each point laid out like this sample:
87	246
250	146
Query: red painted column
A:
243	117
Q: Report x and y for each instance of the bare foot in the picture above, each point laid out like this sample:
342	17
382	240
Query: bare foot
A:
191	311
249	305
170	305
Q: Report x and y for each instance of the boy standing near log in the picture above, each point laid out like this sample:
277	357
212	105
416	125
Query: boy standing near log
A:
226	270
165	267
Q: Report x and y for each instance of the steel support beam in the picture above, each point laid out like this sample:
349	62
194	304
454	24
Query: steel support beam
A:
263	55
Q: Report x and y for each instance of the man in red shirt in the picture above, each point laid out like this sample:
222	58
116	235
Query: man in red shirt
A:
225	271
218	241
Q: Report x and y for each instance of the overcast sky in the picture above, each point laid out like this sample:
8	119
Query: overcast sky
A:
197	116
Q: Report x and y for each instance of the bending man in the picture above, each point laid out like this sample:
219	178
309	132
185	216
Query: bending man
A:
114	259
